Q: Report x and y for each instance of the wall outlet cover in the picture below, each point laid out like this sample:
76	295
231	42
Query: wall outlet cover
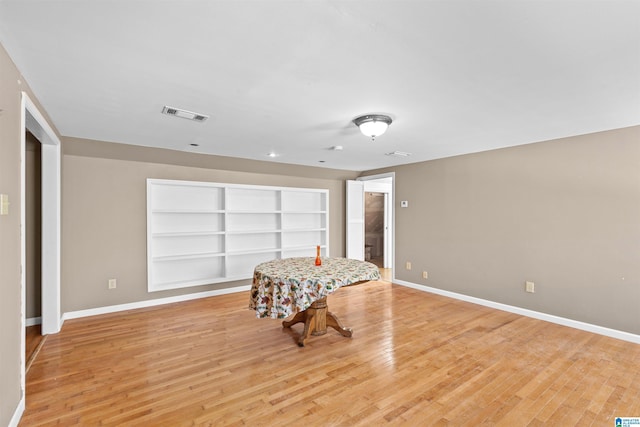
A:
529	287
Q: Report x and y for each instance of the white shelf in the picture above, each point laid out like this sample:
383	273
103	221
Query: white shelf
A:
302	212
232	232
253	251
200	233
188	256
299	230
194	211
312	249
253	212
188	233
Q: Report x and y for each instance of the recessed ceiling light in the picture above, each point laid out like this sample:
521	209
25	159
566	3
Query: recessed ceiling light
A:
184	114
193	144
272	154
398	154
336	148
321	161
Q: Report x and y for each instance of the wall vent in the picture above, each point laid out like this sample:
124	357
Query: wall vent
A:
190	115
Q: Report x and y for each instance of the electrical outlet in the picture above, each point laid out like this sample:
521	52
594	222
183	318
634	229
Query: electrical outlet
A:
408	265
530	287
112	283
425	275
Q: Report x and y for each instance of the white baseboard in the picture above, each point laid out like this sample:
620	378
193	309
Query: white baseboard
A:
152	303
32	321
17	414
613	333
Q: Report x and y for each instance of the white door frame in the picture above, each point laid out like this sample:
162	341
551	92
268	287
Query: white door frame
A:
33	121
389	214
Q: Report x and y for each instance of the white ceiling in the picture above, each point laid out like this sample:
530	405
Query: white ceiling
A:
289	76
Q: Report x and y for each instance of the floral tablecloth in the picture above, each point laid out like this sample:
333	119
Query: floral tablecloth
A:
285	286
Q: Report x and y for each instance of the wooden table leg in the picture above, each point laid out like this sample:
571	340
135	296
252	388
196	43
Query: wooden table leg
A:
333	321
316	319
297	318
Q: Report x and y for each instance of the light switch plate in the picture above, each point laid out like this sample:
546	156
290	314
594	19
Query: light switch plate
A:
529	287
4	204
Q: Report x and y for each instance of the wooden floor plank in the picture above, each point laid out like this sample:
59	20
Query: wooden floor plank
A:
414	359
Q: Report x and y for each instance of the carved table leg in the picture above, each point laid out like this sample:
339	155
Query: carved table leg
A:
316	319
309	326
333	321
299	317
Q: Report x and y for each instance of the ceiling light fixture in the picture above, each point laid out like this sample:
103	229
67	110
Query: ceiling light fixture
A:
373	125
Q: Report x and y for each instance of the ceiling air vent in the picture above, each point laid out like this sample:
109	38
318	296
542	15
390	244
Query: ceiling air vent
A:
398	154
171	111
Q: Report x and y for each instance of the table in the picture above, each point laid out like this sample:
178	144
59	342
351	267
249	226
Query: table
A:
297	288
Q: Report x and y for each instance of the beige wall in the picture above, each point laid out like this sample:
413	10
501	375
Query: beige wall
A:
104	214
564	214
11	86
10	239
33	226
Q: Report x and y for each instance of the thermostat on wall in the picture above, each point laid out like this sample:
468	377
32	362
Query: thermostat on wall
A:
404	204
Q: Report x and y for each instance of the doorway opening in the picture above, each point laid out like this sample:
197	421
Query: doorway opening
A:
370	226
378	224
33	232
374	228
33	121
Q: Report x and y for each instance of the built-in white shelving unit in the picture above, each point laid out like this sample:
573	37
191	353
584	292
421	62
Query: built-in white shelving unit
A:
203	232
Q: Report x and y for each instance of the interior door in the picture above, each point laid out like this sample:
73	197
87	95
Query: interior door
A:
355	220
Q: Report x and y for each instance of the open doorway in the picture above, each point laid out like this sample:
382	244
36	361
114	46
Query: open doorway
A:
369	226
378	214
32	121
33	240
374	228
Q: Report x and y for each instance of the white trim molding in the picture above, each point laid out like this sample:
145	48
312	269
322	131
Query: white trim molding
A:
17	414
32	321
34	121
152	303
601	330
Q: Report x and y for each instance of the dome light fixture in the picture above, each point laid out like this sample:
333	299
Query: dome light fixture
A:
373	125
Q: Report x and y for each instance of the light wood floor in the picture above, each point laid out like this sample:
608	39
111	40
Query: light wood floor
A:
386	274
414	359
32	340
